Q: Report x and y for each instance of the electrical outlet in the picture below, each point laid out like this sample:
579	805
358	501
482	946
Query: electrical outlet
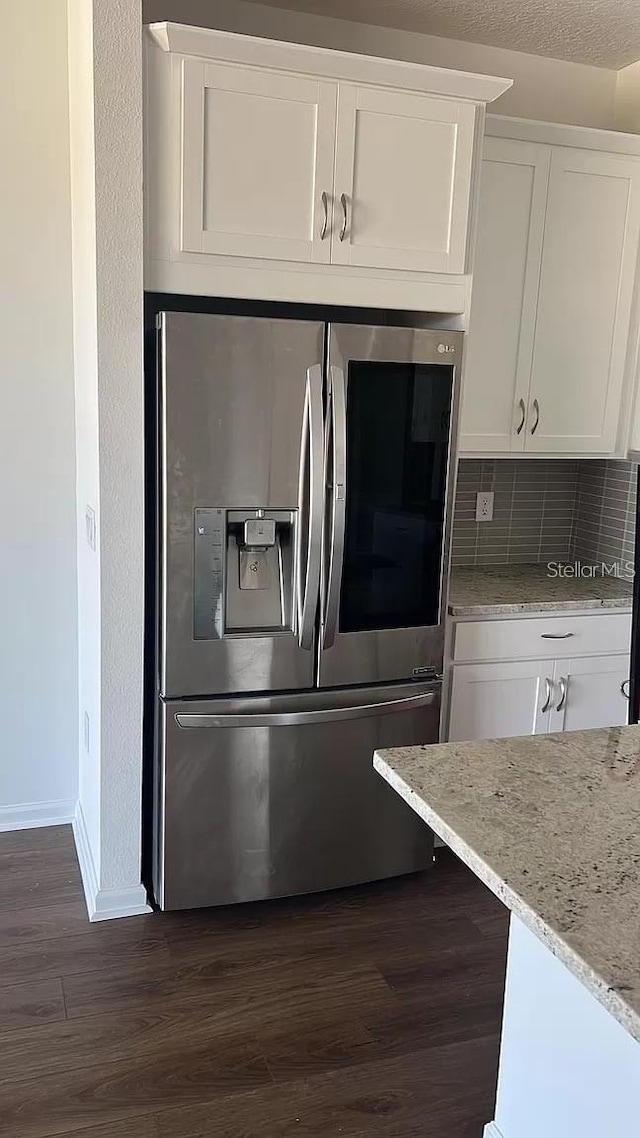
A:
90	523
484	506
87	732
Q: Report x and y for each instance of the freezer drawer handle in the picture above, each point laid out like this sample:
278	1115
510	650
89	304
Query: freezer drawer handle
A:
322	715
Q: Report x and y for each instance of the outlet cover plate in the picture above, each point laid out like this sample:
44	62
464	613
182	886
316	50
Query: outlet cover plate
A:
484	506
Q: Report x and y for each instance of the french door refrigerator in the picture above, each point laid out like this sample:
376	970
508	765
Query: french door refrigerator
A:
304	497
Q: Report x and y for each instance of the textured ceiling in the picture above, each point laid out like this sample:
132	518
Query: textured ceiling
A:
605	33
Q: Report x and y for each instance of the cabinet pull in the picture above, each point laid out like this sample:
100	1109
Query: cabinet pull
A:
345	216
624	688
523	413
547	703
325	215
536	407
563	693
555	635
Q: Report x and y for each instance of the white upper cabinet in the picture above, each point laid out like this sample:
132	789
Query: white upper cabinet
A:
287	172
257	162
550	347
402	180
513	194
584	304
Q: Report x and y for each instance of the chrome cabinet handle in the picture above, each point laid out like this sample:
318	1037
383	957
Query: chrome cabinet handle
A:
625	685
345	216
536	407
325	214
523	413
335	451
310	492
563	693
555	635
547	703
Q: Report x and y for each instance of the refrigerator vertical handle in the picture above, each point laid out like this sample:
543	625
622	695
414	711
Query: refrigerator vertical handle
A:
337	490
310	494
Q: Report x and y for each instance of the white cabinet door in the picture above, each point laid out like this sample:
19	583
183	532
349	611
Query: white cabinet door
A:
402	180
584	303
495	394
588	693
257	158
490	701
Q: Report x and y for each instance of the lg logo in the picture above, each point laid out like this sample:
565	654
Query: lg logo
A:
442	348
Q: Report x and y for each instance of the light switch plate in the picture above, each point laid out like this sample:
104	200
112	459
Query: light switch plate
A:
90	523
484	506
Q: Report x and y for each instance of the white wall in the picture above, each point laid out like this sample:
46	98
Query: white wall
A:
628	99
105	85
38	702
548	89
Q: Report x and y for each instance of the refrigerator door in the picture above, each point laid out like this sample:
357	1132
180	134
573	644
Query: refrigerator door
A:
271	796
392	404
241	451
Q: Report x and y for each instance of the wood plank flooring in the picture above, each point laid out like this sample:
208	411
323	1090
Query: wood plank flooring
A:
370	1011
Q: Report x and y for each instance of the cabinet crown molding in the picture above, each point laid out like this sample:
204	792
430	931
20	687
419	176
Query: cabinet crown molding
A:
231	47
562	134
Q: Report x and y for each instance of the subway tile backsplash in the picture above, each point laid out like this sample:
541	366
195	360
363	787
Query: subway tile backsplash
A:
605	512
545	510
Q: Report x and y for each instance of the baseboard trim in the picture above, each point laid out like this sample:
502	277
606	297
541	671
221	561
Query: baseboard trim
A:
103	904
491	1131
32	815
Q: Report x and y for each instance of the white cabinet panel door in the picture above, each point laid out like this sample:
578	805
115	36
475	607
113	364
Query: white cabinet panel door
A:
513	192
491	701
588	692
402	180
257	157
584	303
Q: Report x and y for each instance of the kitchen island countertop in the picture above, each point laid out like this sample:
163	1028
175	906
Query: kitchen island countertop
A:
551	824
496	590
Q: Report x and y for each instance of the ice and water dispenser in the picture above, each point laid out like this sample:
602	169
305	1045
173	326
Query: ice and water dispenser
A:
244	570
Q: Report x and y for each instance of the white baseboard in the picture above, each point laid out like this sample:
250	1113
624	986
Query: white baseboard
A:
491	1131
31	815
103	904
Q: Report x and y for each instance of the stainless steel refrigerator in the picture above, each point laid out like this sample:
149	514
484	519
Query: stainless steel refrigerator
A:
304	499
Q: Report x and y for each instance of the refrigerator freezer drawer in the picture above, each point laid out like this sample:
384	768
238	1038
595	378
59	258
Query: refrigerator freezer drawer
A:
272	796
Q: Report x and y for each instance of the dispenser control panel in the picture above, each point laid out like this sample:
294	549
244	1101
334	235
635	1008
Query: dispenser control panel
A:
210	555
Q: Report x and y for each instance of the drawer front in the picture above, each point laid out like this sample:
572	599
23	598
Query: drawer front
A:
542	638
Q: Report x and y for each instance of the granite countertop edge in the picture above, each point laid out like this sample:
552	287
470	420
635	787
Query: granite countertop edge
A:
495	590
504	608
585	973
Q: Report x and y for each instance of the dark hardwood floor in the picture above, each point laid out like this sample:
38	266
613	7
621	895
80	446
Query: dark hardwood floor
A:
371	1011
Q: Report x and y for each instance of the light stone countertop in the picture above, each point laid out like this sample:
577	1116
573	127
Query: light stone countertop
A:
499	589
551	824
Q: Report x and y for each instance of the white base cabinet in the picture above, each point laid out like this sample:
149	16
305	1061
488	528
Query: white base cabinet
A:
492	698
590	692
493	701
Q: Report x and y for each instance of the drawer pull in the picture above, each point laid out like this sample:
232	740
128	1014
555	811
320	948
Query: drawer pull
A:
624	688
563	693
555	635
